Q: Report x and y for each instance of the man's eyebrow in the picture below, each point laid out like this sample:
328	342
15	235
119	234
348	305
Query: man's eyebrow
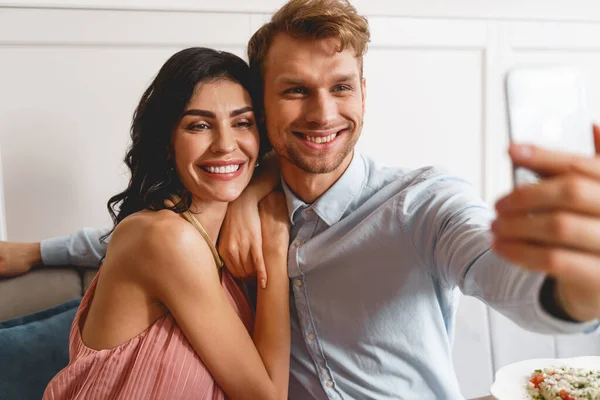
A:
289	80
296	81
345	77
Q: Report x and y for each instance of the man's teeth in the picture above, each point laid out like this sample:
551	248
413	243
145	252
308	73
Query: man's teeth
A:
227	169
320	139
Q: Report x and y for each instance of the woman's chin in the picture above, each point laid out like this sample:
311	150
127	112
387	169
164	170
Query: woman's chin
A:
218	193
226	196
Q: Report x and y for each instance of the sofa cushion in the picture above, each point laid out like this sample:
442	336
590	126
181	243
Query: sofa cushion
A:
38	290
88	277
33	349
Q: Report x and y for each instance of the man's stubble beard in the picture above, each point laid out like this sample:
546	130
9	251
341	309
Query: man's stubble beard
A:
294	156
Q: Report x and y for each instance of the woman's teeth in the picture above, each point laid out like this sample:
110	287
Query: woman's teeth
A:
227	169
320	139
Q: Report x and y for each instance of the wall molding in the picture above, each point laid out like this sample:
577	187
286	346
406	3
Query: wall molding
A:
91	27
539	10
554	36
118	28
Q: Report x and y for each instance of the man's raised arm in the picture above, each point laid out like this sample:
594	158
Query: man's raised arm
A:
83	248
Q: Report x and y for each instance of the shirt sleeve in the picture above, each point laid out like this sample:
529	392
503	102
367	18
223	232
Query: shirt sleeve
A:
449	224
83	248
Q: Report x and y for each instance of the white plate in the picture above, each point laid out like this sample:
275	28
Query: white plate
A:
511	380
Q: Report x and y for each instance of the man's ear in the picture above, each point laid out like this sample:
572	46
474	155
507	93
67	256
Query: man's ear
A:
261	119
364	94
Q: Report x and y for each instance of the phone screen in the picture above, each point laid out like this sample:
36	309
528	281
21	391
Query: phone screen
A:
547	107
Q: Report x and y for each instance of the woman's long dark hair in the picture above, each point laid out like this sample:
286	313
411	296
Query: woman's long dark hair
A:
153	175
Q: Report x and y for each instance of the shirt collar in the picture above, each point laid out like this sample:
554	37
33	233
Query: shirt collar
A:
332	204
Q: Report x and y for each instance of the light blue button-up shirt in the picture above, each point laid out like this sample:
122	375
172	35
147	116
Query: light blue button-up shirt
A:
376	265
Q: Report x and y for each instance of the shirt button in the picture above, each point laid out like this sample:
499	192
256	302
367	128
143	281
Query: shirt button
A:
329	383
298	243
309	212
298	282
311	336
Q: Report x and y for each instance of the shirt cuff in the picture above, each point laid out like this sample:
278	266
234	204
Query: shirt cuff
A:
55	251
562	325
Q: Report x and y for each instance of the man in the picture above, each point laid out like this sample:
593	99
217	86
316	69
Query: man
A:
378	254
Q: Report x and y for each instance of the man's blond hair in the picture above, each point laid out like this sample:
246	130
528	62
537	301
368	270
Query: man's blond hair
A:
310	19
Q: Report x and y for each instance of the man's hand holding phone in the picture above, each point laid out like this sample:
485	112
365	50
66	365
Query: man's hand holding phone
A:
551	221
554	226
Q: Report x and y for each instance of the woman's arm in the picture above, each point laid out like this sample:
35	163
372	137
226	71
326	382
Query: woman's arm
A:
268	330
240	241
176	267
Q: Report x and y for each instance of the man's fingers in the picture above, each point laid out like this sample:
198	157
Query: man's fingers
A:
569	230
566	193
550	163
568	265
543	161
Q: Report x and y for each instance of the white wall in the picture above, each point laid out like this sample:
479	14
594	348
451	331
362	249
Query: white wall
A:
72	71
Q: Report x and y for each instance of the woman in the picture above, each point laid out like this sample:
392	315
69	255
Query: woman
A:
161	320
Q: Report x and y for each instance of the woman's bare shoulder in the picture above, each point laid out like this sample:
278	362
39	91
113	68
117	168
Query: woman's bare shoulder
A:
149	240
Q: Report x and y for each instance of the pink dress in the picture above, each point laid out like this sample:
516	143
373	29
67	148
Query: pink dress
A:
159	363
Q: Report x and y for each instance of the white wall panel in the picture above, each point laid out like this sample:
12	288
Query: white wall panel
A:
472	350
413	118
65	114
70	81
427	33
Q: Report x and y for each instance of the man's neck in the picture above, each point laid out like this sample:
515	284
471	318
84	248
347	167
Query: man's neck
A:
307	186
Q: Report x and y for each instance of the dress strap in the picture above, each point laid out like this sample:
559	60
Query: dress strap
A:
194	221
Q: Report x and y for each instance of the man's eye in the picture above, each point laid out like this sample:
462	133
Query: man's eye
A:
297	90
342	88
243	124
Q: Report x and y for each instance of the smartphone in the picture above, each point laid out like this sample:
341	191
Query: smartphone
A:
547	107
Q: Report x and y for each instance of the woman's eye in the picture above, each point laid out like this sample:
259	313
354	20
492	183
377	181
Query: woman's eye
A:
243	124
199	127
